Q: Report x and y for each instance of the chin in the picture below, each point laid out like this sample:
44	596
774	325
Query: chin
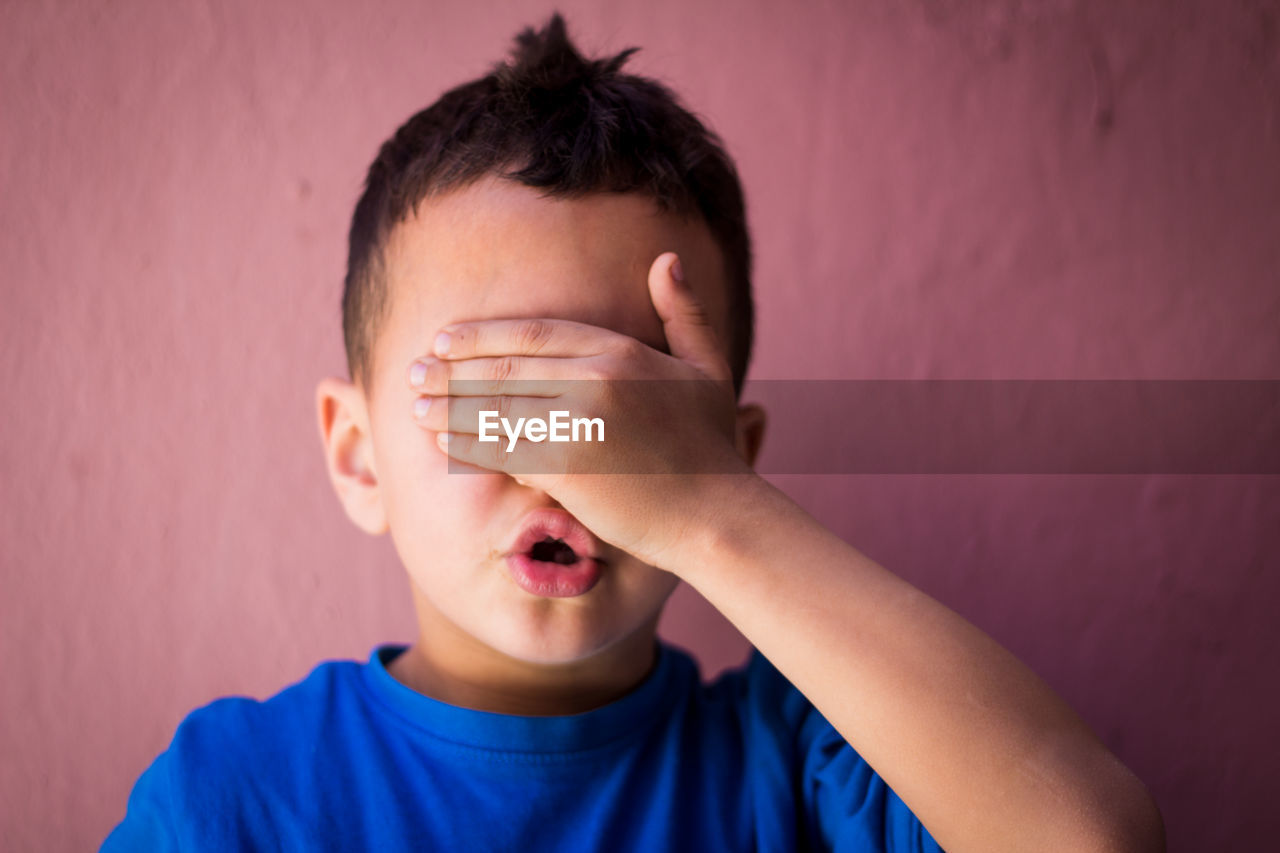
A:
551	644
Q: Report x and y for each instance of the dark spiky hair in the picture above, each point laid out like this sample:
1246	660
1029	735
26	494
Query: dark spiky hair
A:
552	120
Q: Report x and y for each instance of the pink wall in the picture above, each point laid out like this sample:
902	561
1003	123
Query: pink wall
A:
958	190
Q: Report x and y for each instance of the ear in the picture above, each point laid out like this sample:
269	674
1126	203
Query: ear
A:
749	432
348	452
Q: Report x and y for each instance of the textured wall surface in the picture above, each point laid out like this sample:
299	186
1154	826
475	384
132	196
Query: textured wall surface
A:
938	189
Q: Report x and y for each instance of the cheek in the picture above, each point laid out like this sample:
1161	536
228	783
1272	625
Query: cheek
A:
417	487
436	517
439	526
444	511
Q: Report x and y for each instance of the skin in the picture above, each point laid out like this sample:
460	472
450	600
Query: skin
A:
498	250
493	282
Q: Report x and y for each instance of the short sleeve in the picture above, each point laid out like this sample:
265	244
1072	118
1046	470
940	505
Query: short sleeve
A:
146	824
200	793
847	805
842	803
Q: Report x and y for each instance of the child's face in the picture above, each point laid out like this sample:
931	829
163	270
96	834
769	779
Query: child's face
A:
498	250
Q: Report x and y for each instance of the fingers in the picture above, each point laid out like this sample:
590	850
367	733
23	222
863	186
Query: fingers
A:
515	435
541	337
532	376
468	449
463	414
538	464
685	322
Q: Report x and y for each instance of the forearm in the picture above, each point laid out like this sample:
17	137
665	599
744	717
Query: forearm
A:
979	747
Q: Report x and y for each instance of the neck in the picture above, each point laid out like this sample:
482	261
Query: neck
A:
451	666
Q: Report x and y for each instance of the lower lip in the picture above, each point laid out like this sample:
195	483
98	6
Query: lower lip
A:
552	580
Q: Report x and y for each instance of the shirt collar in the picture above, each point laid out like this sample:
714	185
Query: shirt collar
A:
489	730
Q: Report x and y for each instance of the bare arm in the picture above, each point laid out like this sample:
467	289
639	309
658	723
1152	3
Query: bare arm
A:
979	747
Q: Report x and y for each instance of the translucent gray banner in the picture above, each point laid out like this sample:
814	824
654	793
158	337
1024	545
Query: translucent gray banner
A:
1111	426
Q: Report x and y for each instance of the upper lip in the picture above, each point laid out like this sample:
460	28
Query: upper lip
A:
556	524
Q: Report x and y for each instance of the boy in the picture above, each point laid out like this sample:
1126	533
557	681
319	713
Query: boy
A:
553	222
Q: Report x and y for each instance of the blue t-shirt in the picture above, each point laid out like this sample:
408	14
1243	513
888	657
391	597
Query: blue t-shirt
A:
351	759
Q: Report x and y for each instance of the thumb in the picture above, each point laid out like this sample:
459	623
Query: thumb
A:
684	318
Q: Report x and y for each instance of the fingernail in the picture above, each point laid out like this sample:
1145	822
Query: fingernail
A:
442	343
442	440
421	406
417	374
677	271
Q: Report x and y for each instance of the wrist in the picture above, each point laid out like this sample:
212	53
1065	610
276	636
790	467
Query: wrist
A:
729	514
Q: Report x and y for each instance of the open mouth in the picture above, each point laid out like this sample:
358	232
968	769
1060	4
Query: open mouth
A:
550	535
552	550
553	555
